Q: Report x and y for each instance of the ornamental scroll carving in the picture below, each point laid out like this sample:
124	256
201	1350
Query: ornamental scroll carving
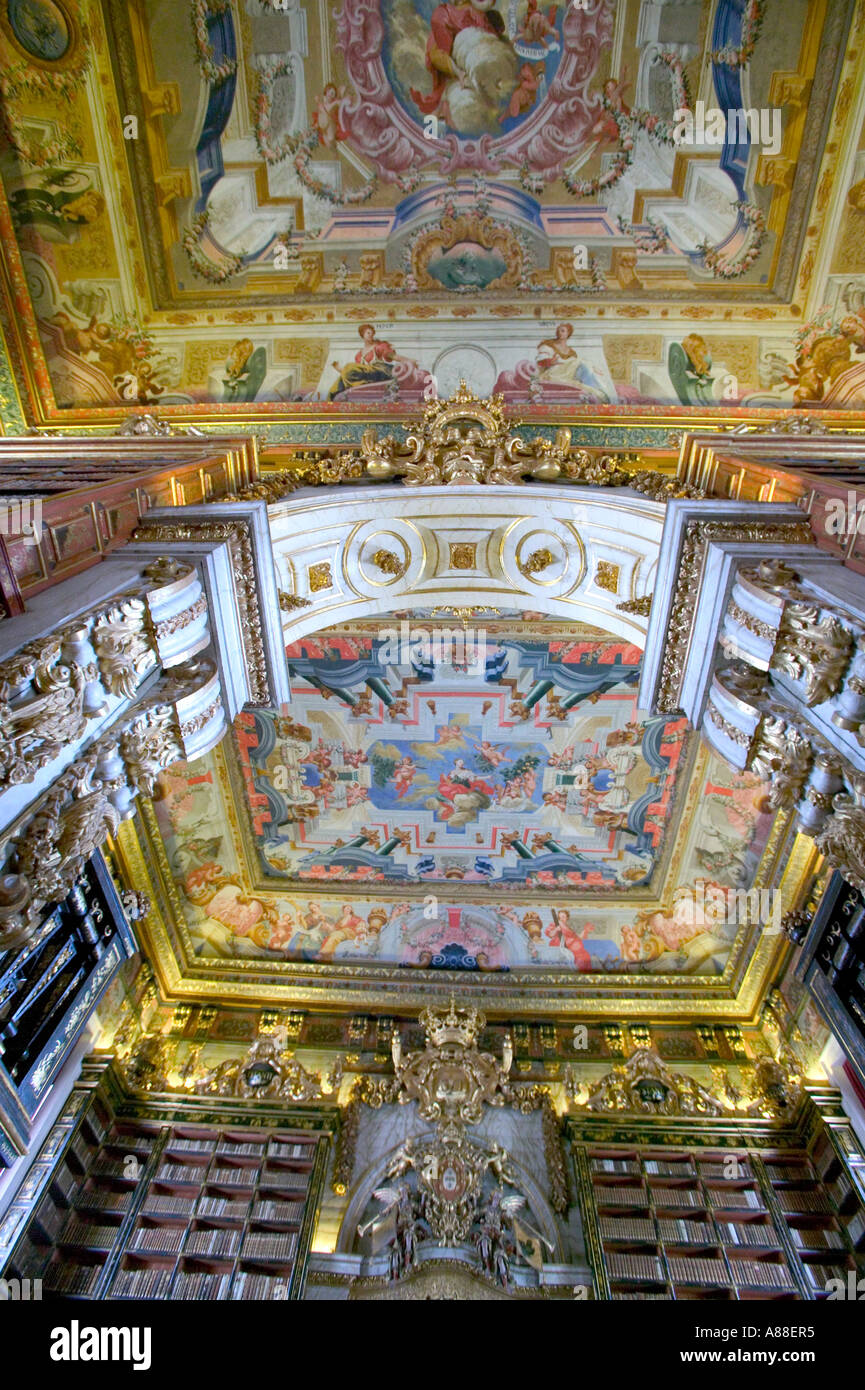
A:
124	646
698	536
782	755
451	1081
812	643
465	441
52	687
644	1085
268	1072
815	647
842	839
41	707
87	802
69	825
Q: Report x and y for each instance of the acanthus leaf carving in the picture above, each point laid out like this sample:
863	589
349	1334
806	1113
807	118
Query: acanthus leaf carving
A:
36	724
644	1085
813	646
782	756
842	838
124	648
267	1072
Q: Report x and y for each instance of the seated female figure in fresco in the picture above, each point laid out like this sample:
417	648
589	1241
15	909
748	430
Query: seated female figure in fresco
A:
378	362
558	369
371	363
562	933
688	938
558	362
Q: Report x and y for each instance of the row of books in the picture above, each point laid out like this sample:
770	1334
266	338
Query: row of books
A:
753	1275
692	1270
840	1189
95	1125
141	1283
295	1188
686	1232
817	1239
82	1150
108	1167
158	1239
727	1198
677	1197
192	1285
734	1170
278	1211
220	1242
248	1286
282	1148
88	1234
621	1197
792	1200
226	1207
233	1177
102	1199
615	1165
181	1172
788	1172
135	1140
635	1267
856	1228
818	1276
668	1168
270	1246
69	1278
626	1228
734	1233
165	1204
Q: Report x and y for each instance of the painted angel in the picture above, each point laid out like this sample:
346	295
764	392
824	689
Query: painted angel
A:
325	116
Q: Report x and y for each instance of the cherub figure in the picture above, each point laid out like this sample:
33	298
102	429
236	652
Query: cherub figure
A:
325	116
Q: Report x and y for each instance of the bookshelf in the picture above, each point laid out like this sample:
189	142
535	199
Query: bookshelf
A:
156	1206
690	1224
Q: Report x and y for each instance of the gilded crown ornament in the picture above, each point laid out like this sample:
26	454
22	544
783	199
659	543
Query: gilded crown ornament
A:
464	441
461	1027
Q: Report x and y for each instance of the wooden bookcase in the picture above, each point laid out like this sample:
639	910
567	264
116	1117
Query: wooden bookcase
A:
152	1206
746	1221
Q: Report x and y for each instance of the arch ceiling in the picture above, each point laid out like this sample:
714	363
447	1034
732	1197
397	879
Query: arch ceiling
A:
463	784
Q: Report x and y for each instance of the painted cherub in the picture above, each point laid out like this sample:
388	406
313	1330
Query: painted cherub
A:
325	116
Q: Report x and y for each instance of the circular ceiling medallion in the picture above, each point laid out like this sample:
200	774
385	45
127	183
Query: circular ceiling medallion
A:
383	559
41	28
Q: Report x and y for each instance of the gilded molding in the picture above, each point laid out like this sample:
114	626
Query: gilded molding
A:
698	535
239	536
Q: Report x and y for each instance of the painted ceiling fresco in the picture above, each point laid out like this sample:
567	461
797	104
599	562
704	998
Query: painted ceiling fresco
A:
327	210
495	805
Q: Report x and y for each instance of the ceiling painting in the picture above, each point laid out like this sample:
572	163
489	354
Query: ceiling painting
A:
568	929
276	207
496	806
